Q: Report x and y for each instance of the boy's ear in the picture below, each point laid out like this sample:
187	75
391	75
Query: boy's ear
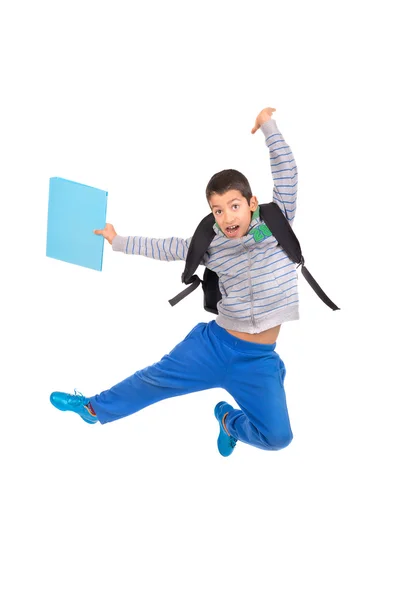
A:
253	203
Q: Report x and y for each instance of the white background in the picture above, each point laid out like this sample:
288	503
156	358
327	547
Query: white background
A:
148	101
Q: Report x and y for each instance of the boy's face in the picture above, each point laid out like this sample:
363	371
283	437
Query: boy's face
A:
232	212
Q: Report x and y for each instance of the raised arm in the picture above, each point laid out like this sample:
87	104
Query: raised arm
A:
283	164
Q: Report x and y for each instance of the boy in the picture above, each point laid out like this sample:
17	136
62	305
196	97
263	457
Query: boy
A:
236	351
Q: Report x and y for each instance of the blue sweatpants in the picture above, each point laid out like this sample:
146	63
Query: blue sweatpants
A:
210	357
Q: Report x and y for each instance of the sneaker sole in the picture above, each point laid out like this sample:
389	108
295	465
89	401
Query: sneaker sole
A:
67	409
222	432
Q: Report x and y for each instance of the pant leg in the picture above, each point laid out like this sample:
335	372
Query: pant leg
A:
195	364
257	385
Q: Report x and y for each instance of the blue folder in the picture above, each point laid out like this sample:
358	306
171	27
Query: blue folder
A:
75	210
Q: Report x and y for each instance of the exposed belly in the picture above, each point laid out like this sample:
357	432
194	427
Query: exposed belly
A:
269	336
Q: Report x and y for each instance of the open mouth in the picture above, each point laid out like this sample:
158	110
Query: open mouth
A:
232	229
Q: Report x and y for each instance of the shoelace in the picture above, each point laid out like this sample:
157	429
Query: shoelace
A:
75	397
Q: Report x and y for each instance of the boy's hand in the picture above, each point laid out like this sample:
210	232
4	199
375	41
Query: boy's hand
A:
108	232
263	117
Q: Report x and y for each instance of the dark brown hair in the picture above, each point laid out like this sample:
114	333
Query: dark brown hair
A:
226	180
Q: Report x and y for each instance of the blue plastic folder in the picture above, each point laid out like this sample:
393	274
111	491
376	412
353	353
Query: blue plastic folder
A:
75	210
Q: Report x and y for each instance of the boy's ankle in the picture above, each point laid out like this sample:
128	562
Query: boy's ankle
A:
90	409
223	423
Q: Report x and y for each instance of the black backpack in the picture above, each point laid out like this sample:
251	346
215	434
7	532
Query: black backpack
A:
278	225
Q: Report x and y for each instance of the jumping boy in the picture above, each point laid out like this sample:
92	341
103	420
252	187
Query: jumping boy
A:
236	351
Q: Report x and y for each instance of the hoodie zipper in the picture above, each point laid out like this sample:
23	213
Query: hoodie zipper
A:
250	286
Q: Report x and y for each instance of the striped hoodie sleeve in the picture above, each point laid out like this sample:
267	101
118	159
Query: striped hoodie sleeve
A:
283	168
169	249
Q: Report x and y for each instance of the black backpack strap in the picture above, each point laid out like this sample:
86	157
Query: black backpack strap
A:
195	282
281	229
199	244
317	289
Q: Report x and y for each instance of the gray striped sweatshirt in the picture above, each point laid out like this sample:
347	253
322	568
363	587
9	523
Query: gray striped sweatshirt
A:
258	282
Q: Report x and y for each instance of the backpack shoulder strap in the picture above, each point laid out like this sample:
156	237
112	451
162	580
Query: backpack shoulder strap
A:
202	238
281	229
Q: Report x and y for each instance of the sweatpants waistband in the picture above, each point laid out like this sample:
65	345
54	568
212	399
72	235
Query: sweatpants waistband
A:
238	344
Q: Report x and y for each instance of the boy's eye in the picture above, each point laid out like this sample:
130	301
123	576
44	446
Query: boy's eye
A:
218	211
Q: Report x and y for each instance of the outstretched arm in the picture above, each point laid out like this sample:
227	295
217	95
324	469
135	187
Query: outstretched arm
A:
172	248
169	249
283	164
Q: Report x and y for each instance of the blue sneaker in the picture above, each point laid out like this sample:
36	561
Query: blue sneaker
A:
75	402
226	443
